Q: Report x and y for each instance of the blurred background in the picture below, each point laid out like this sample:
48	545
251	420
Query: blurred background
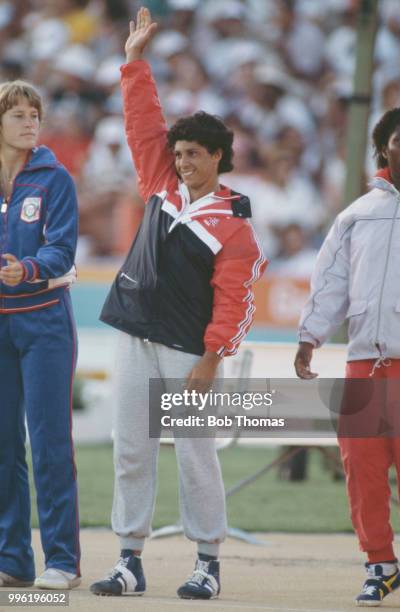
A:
279	72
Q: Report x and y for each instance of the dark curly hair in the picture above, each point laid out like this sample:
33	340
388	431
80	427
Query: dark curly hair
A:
382	133
209	132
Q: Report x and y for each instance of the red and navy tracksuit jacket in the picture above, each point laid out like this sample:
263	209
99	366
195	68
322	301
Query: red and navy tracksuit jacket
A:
187	280
39	225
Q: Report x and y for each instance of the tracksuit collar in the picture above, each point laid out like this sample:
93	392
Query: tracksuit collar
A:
40	157
210	198
383	180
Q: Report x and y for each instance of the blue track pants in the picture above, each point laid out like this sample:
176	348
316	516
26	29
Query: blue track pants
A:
37	362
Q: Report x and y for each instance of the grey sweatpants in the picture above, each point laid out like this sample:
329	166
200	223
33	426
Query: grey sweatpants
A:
201	490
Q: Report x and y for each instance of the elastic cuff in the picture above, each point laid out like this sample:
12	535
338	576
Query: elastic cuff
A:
219	350
131	543
26	272
127	66
31	270
208	549
380	556
306	337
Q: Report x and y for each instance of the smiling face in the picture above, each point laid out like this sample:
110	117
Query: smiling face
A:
20	126
197	167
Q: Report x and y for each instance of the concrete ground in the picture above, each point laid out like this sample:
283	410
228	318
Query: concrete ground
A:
291	573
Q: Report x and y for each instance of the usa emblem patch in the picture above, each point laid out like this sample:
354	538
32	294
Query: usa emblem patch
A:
30	210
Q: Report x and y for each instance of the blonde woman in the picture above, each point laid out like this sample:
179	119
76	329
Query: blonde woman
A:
38	234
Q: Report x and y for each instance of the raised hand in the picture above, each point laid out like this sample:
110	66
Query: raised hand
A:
139	35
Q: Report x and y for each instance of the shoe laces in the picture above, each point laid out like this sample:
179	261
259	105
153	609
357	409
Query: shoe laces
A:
370	589
200	572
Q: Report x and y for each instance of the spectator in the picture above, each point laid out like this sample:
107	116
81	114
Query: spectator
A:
271	103
290	31
295	257
242	59
109	164
283	196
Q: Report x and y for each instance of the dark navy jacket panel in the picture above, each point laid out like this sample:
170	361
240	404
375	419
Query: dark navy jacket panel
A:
163	291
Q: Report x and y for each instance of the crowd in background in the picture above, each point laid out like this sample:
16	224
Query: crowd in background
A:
279	73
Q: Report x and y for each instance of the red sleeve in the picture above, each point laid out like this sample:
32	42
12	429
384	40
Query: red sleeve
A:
146	130
237	266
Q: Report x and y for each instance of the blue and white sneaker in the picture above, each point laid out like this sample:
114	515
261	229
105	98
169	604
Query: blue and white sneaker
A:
204	583
126	578
382	579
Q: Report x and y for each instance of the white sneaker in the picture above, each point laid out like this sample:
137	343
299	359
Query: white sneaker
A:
9	581
53	578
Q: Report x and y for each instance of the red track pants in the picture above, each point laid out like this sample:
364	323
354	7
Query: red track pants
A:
366	462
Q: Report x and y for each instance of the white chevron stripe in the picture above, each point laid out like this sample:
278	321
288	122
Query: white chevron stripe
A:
211	211
170	208
205	236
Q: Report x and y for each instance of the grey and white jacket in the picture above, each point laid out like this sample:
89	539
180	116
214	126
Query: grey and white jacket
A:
357	276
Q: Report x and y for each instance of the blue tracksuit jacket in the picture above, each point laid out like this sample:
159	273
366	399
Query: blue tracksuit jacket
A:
39	225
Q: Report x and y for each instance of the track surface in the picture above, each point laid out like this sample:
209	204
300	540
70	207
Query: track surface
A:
291	573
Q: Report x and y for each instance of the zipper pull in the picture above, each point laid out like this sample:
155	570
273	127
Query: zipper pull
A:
4	206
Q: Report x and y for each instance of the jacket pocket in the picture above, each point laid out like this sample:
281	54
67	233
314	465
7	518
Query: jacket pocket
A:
126	281
139	304
357	307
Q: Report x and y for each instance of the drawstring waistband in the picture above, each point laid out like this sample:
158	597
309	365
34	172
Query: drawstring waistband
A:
381	361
